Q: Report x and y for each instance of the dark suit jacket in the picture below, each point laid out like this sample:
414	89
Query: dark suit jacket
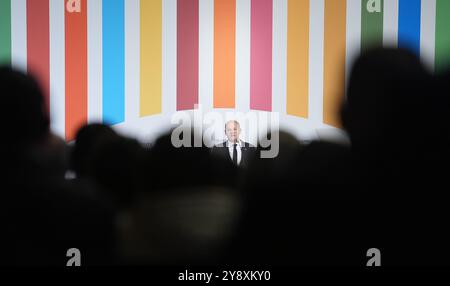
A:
221	150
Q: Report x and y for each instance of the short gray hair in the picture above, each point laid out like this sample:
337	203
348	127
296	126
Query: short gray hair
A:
234	121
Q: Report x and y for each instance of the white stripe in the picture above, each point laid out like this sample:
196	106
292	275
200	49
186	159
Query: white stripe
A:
390	28
243	20
206	54
95	62
353	36
428	33
132	60
19	34
169	56
279	56
57	67
316	53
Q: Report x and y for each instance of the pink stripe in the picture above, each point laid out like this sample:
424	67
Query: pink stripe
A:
187	54
261	55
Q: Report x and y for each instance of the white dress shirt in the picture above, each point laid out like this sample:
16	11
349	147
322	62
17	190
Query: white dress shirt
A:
238	149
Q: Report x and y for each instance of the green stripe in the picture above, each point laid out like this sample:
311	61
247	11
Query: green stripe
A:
5	31
371	23
442	53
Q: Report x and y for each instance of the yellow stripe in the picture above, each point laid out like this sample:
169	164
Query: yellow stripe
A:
151	57
298	58
334	60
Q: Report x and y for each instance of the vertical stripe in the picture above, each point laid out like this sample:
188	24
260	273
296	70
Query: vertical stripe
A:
428	34
316	68
353	45
442	50
279	59
371	23
206	54
261	55
169	62
224	53
298	58
76	68
151	57
95	66
390	23
113	61
133	61
243	24
409	25
38	44
334	59
57	68
187	53
5	31
19	34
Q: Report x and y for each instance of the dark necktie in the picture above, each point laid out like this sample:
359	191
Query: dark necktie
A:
235	161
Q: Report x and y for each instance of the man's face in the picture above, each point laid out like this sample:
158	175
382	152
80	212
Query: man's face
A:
233	131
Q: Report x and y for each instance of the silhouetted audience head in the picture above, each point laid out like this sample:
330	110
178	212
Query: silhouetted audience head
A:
385	112
116	166
25	123
110	160
88	141
178	165
24	113
384	96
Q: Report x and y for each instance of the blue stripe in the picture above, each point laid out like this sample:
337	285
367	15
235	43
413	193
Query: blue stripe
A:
113	61
409	25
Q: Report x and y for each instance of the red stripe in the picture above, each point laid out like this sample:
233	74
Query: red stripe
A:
187	53
38	44
76	70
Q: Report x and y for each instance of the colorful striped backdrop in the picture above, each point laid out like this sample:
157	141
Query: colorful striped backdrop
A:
134	62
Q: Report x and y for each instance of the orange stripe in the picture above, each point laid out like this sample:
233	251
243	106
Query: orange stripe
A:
76	70
298	58
224	53
334	60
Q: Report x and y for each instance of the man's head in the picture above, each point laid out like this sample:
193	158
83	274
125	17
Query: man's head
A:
232	130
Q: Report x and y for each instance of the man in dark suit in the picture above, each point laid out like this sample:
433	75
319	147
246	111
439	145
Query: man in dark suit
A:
234	149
